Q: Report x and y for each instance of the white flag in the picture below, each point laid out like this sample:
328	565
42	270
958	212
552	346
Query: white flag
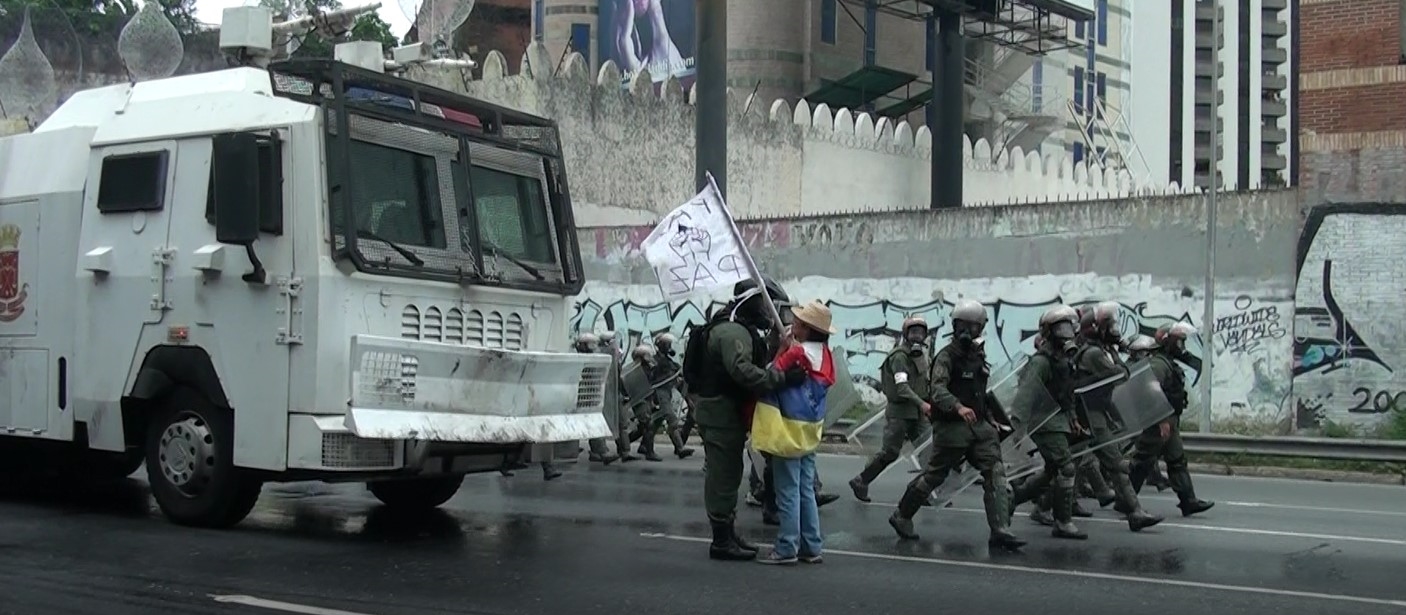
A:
694	249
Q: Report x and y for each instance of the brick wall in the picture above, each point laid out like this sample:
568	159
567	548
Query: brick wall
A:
1352	124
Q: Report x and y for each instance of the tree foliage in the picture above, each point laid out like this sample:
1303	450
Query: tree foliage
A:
368	27
103	18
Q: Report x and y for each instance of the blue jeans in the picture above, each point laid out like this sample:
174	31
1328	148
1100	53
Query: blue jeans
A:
794	480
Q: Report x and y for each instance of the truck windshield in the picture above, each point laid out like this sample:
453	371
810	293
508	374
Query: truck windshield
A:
422	200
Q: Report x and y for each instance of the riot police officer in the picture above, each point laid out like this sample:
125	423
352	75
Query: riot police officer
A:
673	399
586	343
609	346
904	376
726	367
1164	440
1139	349
966	421
1050	375
644	409
1096	360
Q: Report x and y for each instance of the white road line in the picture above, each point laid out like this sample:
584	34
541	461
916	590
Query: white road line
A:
1207	528
275	605
1351	511
1082	574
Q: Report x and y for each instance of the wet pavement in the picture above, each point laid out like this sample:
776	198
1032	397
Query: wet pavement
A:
632	539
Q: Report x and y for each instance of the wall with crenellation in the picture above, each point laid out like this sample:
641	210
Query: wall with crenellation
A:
629	152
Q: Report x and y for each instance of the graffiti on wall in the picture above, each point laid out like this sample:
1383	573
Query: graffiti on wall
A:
1347	346
868	330
1248	327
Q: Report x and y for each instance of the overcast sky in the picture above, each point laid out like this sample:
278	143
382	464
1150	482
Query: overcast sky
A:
209	11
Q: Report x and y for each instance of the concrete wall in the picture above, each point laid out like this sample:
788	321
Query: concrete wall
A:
630	153
1147	254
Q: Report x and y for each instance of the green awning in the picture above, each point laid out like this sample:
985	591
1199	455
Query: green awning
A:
860	87
904	107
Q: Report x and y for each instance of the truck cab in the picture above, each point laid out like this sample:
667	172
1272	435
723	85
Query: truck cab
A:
311	271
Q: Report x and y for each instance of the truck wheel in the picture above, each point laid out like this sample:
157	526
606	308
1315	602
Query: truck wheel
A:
190	464
418	493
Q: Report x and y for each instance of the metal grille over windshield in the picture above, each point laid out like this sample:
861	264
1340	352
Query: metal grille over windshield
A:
430	184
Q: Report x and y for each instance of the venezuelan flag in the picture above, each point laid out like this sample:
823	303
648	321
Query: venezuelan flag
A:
789	422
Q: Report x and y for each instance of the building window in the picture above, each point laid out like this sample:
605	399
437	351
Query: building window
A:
1078	153
1102	87
539	15
1079	30
1079	89
581	40
1401	29
1103	22
827	21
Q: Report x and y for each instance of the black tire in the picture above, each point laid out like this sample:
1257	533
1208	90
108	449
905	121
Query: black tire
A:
190	464
418	493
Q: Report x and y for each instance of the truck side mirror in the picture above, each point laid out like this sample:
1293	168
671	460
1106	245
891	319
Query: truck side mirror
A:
235	173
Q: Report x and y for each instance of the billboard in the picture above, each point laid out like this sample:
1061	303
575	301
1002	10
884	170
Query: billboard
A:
653	34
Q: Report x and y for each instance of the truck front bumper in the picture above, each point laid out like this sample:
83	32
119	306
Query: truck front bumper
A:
429	391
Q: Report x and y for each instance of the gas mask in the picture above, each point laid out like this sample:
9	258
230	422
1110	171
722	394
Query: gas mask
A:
915	337
966	334
1061	338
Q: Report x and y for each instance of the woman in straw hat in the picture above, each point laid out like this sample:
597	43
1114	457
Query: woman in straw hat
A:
787	425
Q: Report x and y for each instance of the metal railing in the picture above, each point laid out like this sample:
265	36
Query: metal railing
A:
1341	449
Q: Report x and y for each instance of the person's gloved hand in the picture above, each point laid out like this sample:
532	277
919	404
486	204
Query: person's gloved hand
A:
795	375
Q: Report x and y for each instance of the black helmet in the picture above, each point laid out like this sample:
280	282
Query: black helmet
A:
778	294
749	307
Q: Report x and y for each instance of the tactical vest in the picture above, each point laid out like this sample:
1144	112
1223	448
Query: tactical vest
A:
1061	377
1175	385
969	375
709	378
916	374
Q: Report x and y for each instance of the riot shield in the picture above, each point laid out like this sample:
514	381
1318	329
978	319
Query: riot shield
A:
612	406
1128	406
637	386
842	395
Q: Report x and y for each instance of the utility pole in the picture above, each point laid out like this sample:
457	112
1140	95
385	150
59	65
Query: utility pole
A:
1208	319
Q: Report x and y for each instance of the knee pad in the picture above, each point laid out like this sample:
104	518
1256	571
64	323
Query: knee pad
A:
888	455
1122	466
1067	471
1177	464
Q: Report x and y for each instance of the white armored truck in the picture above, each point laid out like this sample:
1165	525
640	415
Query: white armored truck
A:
312	271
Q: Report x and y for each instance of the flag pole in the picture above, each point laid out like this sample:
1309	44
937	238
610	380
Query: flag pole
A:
747	256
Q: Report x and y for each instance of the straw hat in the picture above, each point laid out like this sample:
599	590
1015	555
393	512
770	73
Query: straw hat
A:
815	315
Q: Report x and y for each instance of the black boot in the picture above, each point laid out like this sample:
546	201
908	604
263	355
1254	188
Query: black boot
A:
741	543
860	488
681	451
1193	507
550	472
902	519
725	545
647	447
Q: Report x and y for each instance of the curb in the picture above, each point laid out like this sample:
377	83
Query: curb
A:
1216	469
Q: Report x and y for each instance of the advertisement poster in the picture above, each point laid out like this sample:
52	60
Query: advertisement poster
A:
653	34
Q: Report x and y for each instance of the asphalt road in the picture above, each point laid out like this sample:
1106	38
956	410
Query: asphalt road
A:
632	539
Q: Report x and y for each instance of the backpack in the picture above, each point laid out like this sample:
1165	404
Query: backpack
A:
695	354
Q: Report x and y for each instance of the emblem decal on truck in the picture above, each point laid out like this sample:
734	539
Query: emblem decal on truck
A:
12	292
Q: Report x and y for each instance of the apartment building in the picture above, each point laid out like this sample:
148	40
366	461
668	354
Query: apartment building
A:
1176	96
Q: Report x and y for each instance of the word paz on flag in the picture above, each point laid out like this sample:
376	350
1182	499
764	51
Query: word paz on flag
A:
695	248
